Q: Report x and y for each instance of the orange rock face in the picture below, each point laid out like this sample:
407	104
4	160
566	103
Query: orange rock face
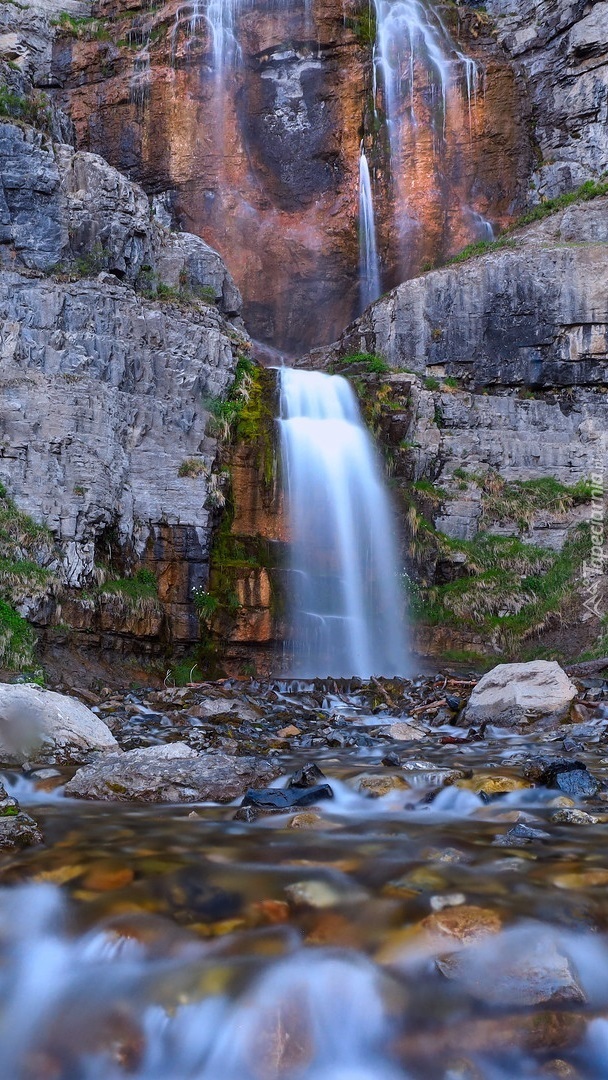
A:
262	162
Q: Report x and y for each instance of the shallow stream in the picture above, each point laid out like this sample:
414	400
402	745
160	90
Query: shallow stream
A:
403	935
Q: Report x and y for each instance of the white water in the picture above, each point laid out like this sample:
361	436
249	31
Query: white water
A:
347	600
369	265
74	1002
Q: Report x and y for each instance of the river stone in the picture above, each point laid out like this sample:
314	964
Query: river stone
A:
508	975
16	828
40	724
171	773
522	693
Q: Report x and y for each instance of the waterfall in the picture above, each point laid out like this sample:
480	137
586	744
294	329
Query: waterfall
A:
347	600
369	266
409	34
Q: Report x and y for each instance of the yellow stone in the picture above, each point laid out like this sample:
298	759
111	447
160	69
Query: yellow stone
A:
490	784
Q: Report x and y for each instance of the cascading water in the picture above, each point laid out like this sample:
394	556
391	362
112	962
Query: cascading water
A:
425	89
347	600
369	265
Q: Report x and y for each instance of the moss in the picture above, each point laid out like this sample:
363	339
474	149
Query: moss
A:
431	383
16	639
139	592
370	362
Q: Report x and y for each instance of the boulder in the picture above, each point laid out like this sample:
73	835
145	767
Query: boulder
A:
511	694
40	724
172	773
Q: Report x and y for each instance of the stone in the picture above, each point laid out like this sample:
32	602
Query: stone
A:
375	786
288	732
320	894
529	692
310	775
491	784
578	783
568	816
40	724
278	799
404	732
307	820
514	972
171	773
17	829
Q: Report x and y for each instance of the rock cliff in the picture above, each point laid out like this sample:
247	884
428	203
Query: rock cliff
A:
559	51
117	336
257	150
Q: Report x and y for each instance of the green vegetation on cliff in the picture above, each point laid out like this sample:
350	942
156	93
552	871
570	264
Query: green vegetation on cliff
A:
26	550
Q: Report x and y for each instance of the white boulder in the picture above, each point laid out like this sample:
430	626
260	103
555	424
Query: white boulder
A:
512	694
37	724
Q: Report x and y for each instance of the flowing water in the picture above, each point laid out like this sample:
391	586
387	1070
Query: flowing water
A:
344	587
369	264
172	943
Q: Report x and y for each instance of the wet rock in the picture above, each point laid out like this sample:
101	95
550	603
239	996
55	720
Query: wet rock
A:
306	820
521	835
453	702
40	724
491	784
569	816
403	732
578	783
171	773
375	786
592	878
285	798
17	829
522	694
570	776
545	770
309	776
517	970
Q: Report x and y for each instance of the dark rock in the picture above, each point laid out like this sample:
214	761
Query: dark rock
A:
453	702
578	782
545	770
307	777
520	835
286	798
391	759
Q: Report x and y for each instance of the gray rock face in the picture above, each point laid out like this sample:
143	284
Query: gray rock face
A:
534	315
103	387
103	399
40	724
32	210
560	50
526	693
171	773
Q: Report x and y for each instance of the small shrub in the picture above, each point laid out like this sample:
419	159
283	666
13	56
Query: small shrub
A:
193	467
205	603
431	383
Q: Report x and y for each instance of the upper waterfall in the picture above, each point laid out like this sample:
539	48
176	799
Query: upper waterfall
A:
347	600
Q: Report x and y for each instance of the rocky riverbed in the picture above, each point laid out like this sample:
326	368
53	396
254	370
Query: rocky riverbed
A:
320	880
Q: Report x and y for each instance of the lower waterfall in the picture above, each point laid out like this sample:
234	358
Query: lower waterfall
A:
346	597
